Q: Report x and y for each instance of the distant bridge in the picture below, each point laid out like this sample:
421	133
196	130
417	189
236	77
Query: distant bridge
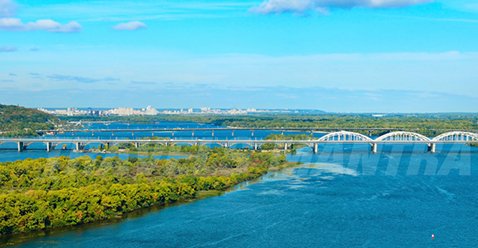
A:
339	137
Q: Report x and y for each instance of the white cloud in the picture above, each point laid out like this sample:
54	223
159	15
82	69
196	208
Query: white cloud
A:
9	22
16	24
6	49
53	26
301	6
134	25
7	8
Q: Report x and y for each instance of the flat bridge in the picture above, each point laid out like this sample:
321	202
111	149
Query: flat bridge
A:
339	137
212	130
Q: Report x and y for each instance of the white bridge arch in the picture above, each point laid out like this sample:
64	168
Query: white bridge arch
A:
456	136
403	136
344	136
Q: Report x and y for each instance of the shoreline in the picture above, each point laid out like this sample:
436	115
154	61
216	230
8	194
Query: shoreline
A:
20	238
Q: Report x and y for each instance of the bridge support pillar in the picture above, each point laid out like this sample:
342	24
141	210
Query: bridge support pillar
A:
432	147
315	149
48	146
256	146
20	146
226	145
286	146
374	147
136	145
78	146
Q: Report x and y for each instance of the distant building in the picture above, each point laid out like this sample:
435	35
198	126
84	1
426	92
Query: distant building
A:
122	111
150	111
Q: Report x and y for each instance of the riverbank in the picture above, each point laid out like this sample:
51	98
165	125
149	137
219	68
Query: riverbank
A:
49	194
20	238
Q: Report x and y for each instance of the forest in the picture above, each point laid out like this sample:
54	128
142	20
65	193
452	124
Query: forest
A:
39	194
20	121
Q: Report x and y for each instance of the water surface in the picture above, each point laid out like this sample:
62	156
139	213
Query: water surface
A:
343	197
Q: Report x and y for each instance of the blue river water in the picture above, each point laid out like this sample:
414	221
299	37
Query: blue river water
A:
345	196
8	151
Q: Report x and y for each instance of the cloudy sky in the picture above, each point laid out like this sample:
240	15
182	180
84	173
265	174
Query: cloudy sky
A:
334	55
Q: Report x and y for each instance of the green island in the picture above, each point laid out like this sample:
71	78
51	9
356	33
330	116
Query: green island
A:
42	194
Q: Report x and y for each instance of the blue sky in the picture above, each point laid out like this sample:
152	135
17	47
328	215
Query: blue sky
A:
334	55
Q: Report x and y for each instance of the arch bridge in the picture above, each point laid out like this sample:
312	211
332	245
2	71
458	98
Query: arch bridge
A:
339	137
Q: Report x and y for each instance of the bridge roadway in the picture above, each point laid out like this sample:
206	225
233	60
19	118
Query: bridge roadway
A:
340	137
212	129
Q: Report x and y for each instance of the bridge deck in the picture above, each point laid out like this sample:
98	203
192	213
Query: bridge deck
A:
313	129
236	141
339	137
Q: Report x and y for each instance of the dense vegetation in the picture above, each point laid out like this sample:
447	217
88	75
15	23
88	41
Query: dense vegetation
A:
291	137
19	121
427	124
46	193
197	149
153	148
288	137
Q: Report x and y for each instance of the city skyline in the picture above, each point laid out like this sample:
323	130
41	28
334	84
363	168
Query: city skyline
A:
337	56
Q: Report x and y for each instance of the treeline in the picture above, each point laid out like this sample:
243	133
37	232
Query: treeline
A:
427	124
55	192
154	148
292	147
20	121
197	149
288	137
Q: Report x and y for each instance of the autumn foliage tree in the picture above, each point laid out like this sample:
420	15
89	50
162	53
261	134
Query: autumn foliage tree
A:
37	194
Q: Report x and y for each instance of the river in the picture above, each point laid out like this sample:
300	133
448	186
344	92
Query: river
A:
345	196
